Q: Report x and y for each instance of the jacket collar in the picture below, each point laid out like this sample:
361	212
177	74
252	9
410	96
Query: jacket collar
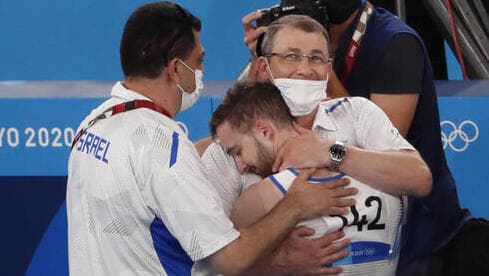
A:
120	91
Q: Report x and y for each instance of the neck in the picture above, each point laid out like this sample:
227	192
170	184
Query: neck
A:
161	93
281	137
337	30
308	120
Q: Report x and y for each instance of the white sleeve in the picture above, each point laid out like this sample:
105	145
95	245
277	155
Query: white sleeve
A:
224	175
181	196
374	130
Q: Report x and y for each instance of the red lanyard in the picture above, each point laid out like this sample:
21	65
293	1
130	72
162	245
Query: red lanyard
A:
120	108
123	107
356	41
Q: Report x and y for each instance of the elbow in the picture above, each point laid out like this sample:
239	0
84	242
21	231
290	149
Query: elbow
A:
424	180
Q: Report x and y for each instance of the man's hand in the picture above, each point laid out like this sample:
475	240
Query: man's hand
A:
327	198
251	33
303	151
299	255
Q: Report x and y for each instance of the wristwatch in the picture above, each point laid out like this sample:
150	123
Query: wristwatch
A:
337	153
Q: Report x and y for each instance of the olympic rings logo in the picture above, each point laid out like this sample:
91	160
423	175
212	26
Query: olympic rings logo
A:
369	251
459	137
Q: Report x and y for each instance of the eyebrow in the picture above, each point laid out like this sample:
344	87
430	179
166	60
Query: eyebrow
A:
314	51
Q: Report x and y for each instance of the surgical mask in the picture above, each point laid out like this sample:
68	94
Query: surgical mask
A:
190	98
301	96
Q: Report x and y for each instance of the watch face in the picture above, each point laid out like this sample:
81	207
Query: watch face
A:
337	151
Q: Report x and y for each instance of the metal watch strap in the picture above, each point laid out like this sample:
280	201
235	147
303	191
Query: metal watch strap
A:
337	153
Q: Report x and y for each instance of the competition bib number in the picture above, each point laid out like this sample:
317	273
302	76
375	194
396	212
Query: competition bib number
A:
355	218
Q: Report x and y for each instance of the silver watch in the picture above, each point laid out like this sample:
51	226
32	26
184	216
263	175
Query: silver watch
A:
337	153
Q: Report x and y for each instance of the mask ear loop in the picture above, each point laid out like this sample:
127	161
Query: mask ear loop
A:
268	68
181	88
186	65
191	70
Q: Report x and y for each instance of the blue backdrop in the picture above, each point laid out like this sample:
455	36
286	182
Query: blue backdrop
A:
79	40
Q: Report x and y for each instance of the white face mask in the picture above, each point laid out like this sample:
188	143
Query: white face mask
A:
301	96
190	98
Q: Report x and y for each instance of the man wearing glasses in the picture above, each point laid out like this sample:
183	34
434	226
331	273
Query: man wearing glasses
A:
295	57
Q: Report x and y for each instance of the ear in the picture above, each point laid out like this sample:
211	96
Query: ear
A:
262	68
265	129
172	70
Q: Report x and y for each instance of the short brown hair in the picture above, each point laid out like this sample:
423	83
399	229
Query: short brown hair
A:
301	22
247	102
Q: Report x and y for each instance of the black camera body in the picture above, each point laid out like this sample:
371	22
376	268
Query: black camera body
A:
313	8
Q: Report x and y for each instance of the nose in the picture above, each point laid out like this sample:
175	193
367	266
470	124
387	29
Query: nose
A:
304	69
242	167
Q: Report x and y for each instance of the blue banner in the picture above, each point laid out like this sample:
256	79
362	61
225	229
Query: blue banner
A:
35	140
465	126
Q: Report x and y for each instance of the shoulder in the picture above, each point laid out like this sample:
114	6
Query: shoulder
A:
404	45
215	150
202	144
346	104
146	131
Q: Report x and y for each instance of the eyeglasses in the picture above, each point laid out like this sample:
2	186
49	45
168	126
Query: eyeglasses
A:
297	57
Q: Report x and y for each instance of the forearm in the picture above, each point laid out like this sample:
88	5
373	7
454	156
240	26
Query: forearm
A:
269	265
300	255
394	172
260	239
400	172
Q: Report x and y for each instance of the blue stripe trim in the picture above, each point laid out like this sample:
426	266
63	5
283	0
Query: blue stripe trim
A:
279	186
331	109
173	258
174	149
318	179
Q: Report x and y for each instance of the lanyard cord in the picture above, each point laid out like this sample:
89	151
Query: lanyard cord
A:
356	41
120	108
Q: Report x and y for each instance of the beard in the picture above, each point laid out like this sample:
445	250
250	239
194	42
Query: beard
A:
264	161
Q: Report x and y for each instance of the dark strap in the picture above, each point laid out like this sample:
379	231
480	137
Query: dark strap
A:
356	41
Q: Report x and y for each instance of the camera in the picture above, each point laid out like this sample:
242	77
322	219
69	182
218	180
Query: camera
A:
313	8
